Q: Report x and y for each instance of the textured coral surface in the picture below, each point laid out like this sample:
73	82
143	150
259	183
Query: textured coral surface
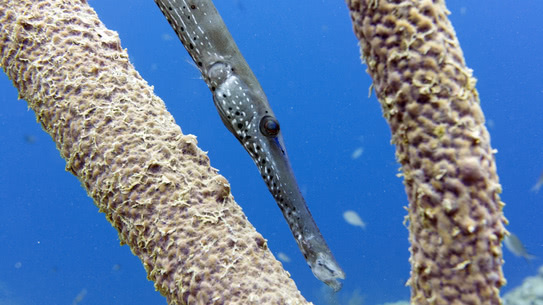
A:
429	99
153	183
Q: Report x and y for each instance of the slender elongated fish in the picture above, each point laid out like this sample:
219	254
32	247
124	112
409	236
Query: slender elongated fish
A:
245	111
513	244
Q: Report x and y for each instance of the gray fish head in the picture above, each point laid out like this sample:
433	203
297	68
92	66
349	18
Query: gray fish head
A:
326	269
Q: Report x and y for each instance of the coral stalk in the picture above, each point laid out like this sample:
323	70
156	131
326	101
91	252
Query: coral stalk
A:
429	99
153	183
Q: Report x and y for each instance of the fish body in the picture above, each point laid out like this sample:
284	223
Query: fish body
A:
537	186
245	111
352	218
357	153
283	257
513	244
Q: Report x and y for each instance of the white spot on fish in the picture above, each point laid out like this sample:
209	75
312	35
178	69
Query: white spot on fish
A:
352	218
283	257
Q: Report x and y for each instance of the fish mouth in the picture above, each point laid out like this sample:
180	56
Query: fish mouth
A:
327	270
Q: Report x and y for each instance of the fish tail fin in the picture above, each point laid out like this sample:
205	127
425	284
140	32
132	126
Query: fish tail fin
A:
529	258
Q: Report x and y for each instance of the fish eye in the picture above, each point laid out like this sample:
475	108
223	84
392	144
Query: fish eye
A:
269	126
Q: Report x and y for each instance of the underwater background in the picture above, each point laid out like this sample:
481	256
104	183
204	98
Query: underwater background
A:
55	248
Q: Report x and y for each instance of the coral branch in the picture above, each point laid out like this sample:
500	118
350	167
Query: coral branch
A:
429	99
153	183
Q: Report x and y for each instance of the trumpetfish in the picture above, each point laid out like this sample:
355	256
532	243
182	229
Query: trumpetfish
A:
245	111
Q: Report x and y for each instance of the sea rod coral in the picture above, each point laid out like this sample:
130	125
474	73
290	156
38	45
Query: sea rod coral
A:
429	99
153	183
176	213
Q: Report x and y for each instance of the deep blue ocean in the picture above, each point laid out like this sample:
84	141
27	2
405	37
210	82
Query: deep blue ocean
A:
55	248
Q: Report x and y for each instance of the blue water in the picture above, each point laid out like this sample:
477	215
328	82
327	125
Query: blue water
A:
55	245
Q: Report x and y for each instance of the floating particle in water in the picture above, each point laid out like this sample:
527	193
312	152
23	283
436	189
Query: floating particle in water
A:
80	296
490	123
30	139
356	298
166	37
